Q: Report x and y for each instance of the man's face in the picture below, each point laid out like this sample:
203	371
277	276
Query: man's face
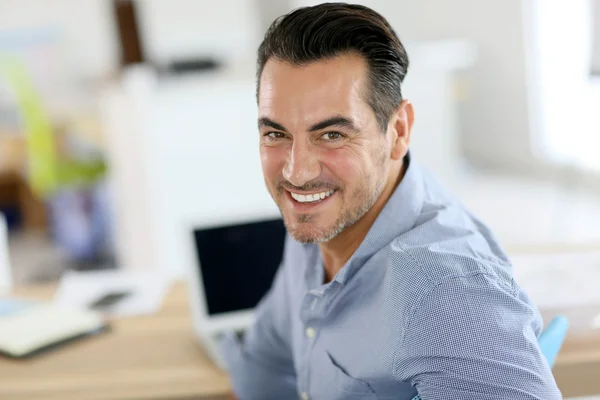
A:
324	159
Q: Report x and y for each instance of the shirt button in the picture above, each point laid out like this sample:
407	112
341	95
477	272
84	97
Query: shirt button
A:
310	333
304	396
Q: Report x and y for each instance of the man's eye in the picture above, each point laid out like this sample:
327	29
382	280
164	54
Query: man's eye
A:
330	136
275	135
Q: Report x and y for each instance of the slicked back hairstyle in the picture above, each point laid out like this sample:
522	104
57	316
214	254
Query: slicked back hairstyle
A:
325	31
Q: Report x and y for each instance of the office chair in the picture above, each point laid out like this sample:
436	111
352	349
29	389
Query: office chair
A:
550	340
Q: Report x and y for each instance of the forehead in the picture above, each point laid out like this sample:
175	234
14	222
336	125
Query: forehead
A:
315	90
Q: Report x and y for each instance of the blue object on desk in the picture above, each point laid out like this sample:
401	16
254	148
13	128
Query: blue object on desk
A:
550	340
10	306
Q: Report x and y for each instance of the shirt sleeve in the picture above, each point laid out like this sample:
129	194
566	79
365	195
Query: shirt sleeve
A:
470	338
261	367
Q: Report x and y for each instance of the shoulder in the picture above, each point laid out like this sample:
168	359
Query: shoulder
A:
462	255
448	242
447	250
458	301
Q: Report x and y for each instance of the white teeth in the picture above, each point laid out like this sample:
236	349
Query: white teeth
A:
310	198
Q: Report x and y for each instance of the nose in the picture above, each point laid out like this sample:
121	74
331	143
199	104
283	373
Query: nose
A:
302	164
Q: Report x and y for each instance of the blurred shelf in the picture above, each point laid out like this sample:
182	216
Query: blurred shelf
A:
15	192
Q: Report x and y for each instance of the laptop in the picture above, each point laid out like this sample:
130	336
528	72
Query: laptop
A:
233	266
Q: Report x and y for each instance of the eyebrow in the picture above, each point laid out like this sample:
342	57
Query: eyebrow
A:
337	121
264	121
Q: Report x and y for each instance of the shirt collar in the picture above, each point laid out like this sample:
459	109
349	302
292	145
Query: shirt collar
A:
398	216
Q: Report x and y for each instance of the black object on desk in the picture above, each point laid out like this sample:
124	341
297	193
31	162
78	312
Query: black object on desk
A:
108	300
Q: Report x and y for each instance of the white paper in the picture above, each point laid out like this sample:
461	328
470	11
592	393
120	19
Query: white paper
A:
556	280
42	325
147	290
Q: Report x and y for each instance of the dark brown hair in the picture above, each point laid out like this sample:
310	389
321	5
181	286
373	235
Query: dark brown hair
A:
328	30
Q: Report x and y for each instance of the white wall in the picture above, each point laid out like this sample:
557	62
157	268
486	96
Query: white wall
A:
568	99
185	28
495	116
169	28
205	163
134	199
85	30
596	39
186	154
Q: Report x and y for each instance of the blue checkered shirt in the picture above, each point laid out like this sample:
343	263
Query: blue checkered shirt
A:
427	306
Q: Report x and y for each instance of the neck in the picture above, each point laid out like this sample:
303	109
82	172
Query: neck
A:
337	251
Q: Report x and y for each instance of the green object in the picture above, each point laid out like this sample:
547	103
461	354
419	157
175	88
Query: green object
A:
46	173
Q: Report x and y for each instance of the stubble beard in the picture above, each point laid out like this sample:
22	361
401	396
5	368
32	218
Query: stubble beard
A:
365	199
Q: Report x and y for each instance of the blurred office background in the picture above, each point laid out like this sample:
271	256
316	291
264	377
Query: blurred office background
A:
124	123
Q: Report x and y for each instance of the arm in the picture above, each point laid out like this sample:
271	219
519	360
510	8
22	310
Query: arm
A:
262	366
470	338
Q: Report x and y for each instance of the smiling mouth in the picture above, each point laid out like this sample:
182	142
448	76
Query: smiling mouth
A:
311	198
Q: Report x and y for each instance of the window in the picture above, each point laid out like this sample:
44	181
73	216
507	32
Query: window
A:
569	97
596	37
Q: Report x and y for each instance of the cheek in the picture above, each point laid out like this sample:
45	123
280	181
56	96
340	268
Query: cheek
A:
272	160
347	166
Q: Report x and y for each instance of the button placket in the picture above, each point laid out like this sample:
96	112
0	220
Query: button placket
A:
311	318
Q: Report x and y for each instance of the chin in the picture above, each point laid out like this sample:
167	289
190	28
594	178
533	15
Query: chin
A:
310	235
306	238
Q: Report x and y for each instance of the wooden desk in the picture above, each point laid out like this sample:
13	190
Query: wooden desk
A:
577	368
157	357
153	357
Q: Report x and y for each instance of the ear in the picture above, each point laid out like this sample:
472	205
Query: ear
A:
401	126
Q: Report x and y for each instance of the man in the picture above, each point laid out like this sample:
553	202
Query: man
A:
388	288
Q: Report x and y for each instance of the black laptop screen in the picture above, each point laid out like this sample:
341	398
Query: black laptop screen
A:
238	263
